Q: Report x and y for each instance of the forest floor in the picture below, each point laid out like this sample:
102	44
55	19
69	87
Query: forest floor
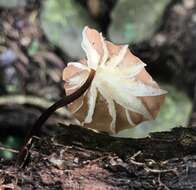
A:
80	158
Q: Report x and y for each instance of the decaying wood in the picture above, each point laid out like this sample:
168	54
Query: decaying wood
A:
82	159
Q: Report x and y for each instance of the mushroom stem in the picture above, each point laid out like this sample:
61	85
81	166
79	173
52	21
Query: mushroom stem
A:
24	151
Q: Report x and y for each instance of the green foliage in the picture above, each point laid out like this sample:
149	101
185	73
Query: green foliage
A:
135	21
62	22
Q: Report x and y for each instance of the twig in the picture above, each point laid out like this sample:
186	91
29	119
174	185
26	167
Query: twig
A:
135	155
8	149
146	168
159	171
31	100
161	184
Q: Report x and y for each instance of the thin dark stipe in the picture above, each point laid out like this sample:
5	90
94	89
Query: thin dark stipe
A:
24	151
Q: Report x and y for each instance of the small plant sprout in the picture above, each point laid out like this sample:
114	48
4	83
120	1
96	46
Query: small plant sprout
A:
121	85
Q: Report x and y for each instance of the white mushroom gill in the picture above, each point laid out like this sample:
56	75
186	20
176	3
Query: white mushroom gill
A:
115	83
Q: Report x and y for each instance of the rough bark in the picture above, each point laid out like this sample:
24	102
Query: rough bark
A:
82	159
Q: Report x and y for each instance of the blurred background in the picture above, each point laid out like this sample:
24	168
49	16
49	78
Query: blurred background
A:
38	38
